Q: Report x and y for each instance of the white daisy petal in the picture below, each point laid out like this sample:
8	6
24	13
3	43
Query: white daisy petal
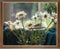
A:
17	22
43	24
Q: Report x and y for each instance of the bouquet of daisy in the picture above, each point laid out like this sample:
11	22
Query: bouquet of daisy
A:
33	30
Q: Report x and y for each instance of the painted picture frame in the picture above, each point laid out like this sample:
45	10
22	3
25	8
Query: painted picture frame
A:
17	33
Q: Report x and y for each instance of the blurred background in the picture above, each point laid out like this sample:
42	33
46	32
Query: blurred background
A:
10	9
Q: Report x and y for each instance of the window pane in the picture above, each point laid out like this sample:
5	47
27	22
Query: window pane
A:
29	8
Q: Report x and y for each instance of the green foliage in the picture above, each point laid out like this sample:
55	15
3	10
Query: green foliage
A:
50	7
28	37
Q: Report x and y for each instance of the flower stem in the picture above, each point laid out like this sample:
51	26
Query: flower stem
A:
41	22
16	35
22	23
35	21
49	24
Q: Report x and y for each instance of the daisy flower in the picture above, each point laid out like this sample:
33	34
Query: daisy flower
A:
20	14
45	15
54	14
54	17
8	22
29	24
34	17
38	14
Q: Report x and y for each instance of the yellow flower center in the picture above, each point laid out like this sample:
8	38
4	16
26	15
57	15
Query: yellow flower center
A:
45	16
34	17
29	25
21	15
